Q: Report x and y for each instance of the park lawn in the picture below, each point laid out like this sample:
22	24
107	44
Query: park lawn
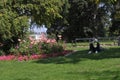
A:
86	44
77	66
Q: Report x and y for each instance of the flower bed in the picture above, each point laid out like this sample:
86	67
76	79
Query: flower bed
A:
30	46
32	57
31	49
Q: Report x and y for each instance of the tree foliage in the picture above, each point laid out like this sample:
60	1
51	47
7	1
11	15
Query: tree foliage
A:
41	11
115	28
60	24
89	18
15	14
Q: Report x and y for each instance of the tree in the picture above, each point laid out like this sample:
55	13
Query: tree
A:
15	14
60	24
41	11
12	27
115	28
75	18
89	18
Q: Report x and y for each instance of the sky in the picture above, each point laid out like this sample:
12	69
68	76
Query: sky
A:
38	29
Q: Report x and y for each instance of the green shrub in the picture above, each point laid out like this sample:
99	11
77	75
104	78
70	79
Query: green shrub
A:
31	46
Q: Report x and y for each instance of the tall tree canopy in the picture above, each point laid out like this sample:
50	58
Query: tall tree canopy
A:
115	28
88	18
60	24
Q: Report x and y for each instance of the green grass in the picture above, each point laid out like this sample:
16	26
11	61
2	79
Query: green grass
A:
78	66
84	45
87	43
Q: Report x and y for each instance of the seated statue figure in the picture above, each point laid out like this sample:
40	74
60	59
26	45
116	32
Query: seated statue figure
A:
94	46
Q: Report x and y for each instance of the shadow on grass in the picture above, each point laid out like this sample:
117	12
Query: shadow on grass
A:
83	55
96	75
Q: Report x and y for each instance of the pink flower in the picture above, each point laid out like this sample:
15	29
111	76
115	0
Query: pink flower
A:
7	58
23	58
48	41
53	41
31	39
17	47
32	57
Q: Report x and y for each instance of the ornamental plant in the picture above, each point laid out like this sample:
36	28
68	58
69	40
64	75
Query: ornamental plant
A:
32	57
31	46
